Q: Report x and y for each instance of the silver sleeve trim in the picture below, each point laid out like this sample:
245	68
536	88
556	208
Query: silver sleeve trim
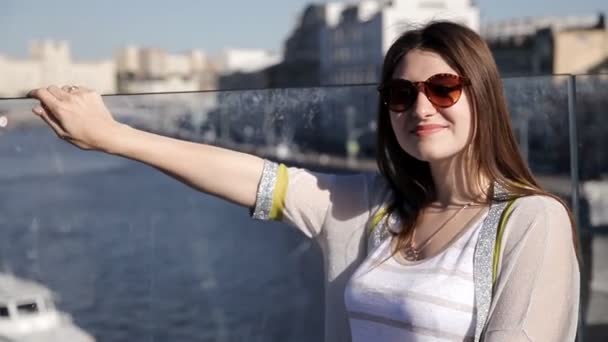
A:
483	266
263	201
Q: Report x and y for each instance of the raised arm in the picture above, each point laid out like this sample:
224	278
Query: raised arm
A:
80	117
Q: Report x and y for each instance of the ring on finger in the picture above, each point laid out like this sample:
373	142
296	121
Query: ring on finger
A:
72	88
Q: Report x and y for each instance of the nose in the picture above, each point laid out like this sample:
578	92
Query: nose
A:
423	107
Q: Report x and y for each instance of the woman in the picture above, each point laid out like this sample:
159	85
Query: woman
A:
409	253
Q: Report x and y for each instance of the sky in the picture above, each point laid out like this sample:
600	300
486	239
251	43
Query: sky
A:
95	29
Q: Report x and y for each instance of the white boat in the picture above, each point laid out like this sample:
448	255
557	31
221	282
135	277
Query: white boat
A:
28	314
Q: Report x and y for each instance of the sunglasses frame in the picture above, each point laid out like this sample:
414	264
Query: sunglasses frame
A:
421	86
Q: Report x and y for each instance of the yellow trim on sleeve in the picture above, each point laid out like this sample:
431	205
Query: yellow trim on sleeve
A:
378	216
278	195
498	244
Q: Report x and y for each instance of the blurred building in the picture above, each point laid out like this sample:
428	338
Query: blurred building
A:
549	45
245	60
301	64
50	62
244	68
141	70
343	43
353	46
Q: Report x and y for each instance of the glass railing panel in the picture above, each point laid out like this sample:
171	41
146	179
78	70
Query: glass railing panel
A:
319	125
133	254
540	114
591	109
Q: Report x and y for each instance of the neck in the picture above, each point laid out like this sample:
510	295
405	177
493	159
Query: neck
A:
454	183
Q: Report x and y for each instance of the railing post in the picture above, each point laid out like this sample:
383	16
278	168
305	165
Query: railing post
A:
574	174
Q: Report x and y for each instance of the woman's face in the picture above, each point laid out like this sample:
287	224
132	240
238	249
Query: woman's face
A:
424	131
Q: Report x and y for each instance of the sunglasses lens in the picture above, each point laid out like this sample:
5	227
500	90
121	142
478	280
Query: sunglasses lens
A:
400	97
444	90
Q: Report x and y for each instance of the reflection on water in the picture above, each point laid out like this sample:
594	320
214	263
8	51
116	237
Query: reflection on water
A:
134	255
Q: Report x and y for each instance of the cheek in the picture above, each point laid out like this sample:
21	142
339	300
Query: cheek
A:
406	140
394	119
461	117
460	128
399	125
465	106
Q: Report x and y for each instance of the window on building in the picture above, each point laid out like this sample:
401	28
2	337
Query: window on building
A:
27	308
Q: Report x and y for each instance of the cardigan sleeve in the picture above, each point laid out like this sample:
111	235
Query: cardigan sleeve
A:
304	198
536	296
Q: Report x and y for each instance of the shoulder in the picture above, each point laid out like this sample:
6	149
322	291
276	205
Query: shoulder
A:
539	207
538	217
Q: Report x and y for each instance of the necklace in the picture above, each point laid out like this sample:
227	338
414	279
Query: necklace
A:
412	253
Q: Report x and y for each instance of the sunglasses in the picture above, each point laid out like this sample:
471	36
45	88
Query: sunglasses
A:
442	90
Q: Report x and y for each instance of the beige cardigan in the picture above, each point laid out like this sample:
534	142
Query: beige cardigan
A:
536	296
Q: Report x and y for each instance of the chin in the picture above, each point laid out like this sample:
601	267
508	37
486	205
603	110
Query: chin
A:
432	153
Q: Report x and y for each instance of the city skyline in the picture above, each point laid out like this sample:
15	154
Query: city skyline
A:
95	30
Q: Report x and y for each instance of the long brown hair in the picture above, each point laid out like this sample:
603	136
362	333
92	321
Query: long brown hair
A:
492	149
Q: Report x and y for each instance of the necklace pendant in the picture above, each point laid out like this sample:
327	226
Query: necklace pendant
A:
411	253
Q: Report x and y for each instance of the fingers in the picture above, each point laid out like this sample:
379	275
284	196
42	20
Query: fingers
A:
69	89
57	102
84	89
50	99
46	98
59	93
73	89
51	121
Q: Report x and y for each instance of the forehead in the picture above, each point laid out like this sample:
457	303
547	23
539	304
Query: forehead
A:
419	65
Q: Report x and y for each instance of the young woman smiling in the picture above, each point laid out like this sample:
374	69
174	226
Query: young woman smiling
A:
452	240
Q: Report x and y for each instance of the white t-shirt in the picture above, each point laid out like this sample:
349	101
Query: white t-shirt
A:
427	300
537	261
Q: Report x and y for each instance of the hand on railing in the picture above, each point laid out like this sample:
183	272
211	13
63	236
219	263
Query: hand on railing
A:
76	114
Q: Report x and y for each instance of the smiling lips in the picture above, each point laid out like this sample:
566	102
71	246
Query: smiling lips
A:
425	130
